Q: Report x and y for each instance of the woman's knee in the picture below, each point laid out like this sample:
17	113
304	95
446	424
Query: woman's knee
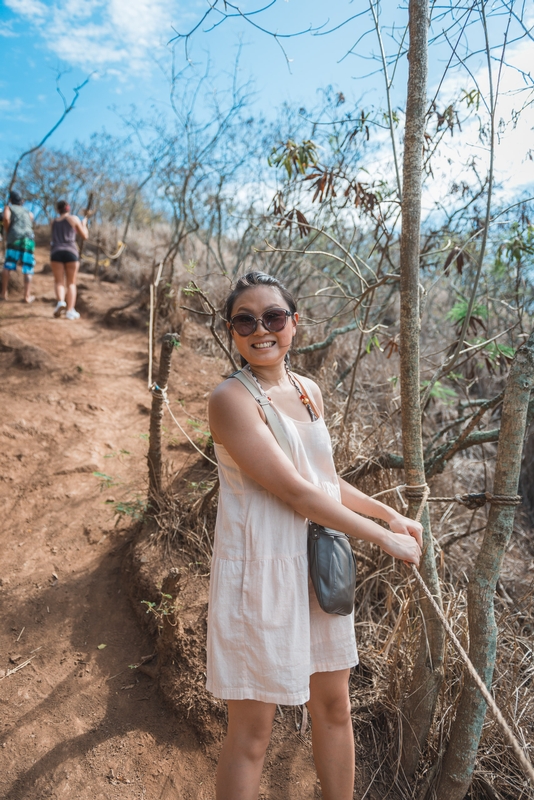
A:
250	733
334	711
329	698
250	742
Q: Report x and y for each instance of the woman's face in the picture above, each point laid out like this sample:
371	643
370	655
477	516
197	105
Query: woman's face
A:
263	347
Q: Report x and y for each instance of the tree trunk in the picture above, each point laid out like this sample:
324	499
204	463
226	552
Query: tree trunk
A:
459	760
156	414
418	707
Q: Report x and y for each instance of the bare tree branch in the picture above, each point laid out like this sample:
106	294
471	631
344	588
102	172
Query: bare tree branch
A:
67	108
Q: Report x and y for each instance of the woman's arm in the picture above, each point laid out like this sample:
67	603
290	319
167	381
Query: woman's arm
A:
363	504
80	225
236	423
352	498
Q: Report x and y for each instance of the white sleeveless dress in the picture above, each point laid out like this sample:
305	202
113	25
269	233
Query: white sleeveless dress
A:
266	631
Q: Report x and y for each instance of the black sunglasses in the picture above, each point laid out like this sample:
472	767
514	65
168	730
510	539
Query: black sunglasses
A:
273	320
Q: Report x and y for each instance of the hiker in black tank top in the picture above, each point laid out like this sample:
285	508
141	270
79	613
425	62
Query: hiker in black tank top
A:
65	259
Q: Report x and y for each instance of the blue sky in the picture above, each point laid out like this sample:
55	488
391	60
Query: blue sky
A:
123	45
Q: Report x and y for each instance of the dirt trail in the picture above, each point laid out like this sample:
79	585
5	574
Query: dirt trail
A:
77	720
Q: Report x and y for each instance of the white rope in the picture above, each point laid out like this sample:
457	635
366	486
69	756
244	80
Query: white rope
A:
163	392
514	744
108	258
397	489
387	491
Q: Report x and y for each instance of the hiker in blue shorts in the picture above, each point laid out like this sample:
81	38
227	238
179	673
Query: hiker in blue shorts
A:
20	245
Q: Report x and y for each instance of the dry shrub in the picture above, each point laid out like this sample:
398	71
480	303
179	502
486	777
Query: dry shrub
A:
387	621
145	247
186	513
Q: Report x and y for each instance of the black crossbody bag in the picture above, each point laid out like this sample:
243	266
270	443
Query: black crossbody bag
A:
330	557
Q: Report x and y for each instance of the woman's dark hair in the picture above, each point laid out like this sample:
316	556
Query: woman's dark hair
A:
248	281
257	279
62	206
14	198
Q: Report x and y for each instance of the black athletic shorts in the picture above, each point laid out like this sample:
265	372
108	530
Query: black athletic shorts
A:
64	256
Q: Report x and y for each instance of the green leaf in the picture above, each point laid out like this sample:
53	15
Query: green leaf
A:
134	508
458	312
293	157
106	480
441	392
101	646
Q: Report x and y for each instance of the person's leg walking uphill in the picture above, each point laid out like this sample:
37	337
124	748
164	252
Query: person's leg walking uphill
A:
58	271
71	270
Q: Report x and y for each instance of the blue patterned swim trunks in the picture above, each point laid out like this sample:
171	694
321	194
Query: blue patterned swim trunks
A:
21	250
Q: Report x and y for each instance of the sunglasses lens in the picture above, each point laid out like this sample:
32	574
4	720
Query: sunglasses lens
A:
244	324
274	320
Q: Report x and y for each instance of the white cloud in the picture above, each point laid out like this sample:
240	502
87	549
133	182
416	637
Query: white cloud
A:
514	171
32	9
5	30
11	105
100	33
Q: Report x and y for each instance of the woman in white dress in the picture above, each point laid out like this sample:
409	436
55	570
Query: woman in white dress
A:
269	642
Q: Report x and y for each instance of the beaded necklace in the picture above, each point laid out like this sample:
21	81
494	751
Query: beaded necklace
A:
304	399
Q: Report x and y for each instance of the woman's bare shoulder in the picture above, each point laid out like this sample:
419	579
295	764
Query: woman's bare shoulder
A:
230	394
231	409
225	387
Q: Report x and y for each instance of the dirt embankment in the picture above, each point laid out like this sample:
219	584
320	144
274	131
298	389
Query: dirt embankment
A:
78	719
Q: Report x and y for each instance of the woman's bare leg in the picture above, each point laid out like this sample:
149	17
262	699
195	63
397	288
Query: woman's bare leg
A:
71	270
243	750
332	736
58	270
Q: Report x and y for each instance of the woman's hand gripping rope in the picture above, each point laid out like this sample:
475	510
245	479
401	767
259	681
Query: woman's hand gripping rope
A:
407	544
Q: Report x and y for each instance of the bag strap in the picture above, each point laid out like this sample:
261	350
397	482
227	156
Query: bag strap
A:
270	414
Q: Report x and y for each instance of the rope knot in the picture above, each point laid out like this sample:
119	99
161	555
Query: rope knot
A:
158	391
419	492
416	492
473	500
